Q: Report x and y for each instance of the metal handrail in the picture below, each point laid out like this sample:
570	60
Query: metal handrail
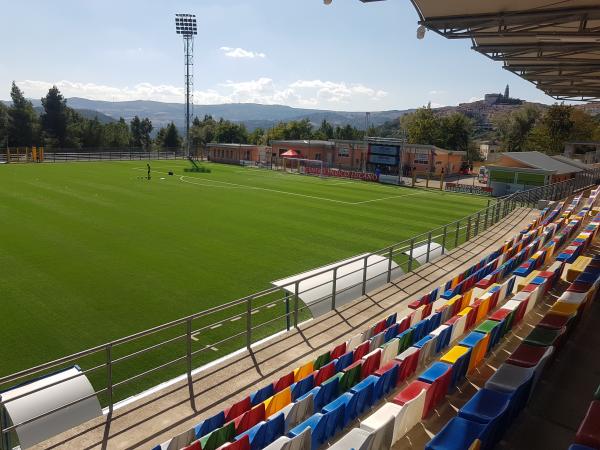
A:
462	230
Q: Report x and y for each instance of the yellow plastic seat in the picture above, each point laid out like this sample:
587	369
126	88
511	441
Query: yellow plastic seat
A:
566	309
577	267
278	402
304	371
454	354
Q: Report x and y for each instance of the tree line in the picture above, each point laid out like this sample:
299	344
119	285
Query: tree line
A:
546	130
59	126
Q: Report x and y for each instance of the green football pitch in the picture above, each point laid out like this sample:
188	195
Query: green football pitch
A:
91	252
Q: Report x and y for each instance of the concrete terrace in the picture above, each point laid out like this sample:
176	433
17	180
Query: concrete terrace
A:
167	412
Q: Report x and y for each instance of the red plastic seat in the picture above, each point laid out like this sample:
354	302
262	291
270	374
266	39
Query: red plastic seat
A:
237	409
241	444
338	351
526	355
194	446
554	321
380	327
325	373
361	350
501	314
589	430
283	382
370	363
414	389
250	418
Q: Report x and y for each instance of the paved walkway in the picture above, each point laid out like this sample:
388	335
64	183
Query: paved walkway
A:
166	413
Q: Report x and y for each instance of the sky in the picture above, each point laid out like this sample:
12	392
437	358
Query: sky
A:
346	56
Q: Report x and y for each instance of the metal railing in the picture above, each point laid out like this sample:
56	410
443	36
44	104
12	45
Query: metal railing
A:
178	346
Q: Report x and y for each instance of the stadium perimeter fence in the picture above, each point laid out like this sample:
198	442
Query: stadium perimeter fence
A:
127	366
93	154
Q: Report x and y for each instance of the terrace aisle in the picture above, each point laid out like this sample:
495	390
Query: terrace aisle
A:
159	416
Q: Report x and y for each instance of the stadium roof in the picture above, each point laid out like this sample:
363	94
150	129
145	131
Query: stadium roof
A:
553	44
538	160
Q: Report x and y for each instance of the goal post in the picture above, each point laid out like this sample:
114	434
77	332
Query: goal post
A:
303	166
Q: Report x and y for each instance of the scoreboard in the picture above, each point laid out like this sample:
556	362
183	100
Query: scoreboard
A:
387	155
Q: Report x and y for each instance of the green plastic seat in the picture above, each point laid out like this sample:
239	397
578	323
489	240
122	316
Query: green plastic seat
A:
220	436
543	337
487	326
349	378
322	360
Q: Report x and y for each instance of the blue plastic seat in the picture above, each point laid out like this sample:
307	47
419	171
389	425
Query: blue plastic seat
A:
421	342
391	320
317	423
435	320
391	332
435	371
262	394
385	383
274	428
323	394
256	434
367	383
419	330
344	361
458	434
302	387
364	396
515	381
489	407
209	425
348	401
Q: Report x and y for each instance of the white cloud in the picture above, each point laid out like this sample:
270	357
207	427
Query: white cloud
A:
436	92
305	93
238	52
475	99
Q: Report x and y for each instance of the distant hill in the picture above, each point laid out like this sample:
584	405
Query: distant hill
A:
253	115
87	113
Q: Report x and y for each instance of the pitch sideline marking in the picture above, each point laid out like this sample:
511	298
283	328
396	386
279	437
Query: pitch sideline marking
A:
236	185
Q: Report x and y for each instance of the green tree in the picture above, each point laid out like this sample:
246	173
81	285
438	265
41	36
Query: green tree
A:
140	130
229	132
117	134
202	131
168	137
22	120
325	131
422	127
257	136
3	126
92	134
55	118
455	132
513	128
557	121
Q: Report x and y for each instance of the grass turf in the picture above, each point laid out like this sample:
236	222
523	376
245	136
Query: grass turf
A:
92	252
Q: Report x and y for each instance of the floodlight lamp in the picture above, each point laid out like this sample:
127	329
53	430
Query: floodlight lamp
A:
185	24
327	2
421	32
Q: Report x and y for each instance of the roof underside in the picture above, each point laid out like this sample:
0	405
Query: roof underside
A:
553	44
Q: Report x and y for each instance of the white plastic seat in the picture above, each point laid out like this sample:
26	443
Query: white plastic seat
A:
355	341
390	351
413	411
379	417
458	328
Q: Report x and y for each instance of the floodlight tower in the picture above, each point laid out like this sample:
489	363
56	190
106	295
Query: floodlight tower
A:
185	25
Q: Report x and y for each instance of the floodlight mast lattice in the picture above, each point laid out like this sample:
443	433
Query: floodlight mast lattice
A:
185	25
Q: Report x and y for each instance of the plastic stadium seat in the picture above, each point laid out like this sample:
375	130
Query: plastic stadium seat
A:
425	353
338	351
325	373
237	409
361	351
220	436
370	363
382	415
492	328
274	428
376	341
391	332
365	389
526	355
323	426
389	350
515	381
544	337
488	407
193	446
262	394
459	357
443	332
344	361
323	394
350	376
355	341
209	425
380	326
413	410
278	402
580	447
242	444
457	434
178	442
300	442
589	430
439	376
413	391
302	387
406	339
298	412
322	360
284	382
409	360
304	371
386	381
250	418
349	403
478	343
256	436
